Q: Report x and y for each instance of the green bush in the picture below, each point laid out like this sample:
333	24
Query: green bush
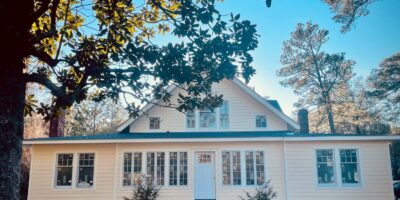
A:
264	192
144	189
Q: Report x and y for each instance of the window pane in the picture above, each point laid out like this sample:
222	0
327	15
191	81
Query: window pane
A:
64	169
349	166
236	168
325	166
127	177
260	167
137	166
151	166
86	170
249	168
160	168
154	123
178	168
173	168
64	176
224	115
190	119
261	121
226	168
183	168
207	119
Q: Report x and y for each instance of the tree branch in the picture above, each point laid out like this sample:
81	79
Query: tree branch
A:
43	80
43	56
53	22
39	12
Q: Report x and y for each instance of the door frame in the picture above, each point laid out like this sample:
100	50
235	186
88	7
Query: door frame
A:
194	170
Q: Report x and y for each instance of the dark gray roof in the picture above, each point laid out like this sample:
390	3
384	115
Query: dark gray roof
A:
176	135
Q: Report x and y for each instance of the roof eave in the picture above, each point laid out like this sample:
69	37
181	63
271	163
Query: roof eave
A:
227	139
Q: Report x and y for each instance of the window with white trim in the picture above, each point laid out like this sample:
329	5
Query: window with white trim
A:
132	168
326	166
64	169
349	166
261	121
155	123
85	170
156	167
178	168
190	119
231	170
224	115
255	167
207	118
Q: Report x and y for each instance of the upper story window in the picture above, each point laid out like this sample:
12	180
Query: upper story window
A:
191	119
207	118
85	170
349	166
224	115
132	168
326	166
178	168
64	169
154	123
261	121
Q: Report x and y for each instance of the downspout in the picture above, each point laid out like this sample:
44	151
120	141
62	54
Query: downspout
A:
286	170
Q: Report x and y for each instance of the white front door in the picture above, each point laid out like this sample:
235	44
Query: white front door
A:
204	169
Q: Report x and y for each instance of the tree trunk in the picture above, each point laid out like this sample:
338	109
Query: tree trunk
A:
16	21
329	112
12	101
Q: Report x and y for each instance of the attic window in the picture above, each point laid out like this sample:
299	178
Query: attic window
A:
261	121
154	123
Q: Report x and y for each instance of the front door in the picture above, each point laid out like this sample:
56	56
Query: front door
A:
204	169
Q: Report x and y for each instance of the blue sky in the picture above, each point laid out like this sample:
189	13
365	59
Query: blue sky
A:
373	38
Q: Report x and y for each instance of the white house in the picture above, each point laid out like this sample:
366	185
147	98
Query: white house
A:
213	155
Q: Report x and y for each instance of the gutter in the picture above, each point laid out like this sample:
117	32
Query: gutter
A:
227	139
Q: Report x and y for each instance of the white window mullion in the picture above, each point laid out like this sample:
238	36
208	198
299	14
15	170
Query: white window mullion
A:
243	167
338	174
75	169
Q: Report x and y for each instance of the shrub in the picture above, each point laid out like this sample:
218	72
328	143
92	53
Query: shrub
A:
144	189
264	192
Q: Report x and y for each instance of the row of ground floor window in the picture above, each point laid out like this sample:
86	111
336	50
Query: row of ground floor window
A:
236	166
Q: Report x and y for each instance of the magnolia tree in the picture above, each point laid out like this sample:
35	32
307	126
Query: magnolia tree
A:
107	47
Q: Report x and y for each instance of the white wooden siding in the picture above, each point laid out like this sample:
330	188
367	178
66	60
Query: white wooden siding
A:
243	110
374	164
375	171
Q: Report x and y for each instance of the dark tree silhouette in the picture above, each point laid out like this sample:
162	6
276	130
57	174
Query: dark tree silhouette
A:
106	46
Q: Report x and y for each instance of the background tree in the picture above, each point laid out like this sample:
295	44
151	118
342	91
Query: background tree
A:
385	87
360	116
347	11
90	117
313	74
106	47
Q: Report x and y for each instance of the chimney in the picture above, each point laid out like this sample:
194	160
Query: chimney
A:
302	118
57	124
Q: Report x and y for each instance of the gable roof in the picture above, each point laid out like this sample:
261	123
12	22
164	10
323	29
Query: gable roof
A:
212	136
271	105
